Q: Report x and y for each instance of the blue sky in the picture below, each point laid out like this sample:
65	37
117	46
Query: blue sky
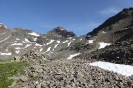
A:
79	16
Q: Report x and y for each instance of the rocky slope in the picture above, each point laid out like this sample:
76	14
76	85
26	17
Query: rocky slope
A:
112	41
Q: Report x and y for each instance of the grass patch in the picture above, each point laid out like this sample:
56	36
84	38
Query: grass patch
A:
10	69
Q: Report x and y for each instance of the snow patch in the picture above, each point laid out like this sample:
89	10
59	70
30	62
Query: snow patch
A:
5	38
17	51
38	44
26	40
34	39
73	55
65	41
103	45
16	44
90	41
126	70
103	32
50	42
69	43
34	34
41	49
27	45
55	46
48	49
17	39
5	53
58	41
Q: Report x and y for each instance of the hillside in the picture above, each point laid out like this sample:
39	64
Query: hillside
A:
102	58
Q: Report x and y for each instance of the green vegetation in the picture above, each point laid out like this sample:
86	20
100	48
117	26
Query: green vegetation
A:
8	70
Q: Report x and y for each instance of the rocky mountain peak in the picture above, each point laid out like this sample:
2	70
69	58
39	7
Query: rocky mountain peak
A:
61	32
3	28
116	22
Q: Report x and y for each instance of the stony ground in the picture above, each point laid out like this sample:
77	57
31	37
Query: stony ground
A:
74	73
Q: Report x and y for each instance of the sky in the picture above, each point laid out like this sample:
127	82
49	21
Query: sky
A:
79	16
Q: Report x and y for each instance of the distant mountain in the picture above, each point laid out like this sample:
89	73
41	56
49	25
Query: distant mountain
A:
61	32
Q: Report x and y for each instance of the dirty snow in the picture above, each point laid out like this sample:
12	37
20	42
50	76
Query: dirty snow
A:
50	42
34	34
73	55
126	70
102	44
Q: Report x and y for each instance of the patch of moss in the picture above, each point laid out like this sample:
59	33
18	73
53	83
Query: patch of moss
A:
8	70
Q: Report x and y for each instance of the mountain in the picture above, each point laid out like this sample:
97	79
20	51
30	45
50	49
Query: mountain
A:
61	59
115	33
61	32
19	41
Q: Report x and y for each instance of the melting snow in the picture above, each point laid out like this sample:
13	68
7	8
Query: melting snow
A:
58	41
26	40
17	39
90	41
55	46
73	55
50	42
17	51
69	43
41	49
16	44
65	41
126	70
48	49
34	39
5	38
34	34
5	53
102	44
27	45
103	32
38	44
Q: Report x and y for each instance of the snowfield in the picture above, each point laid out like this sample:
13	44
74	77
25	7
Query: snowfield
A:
103	45
126	70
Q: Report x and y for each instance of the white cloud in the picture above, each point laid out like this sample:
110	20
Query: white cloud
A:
110	10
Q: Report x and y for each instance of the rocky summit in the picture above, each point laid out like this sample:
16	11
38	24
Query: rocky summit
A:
61	59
